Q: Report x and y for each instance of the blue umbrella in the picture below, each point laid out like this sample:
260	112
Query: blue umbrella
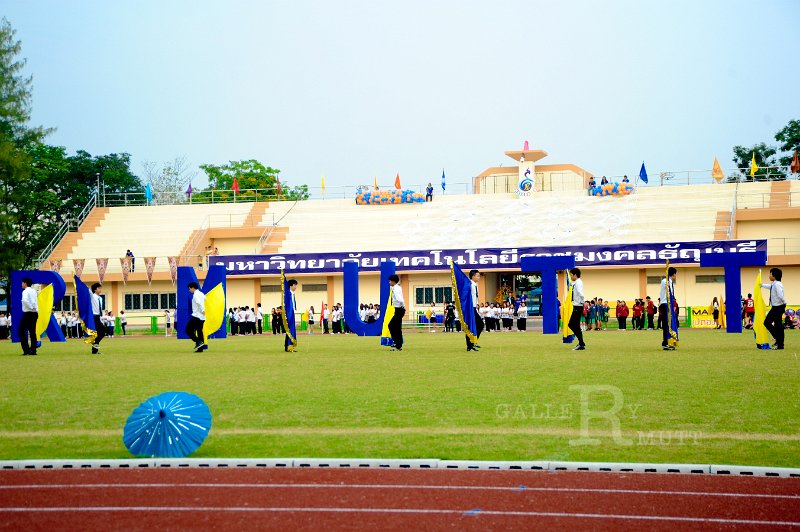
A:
170	425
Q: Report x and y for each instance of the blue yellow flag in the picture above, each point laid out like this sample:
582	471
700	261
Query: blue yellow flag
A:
462	293
83	298
287	296
759	329
215	310
45	301
567	336
388	314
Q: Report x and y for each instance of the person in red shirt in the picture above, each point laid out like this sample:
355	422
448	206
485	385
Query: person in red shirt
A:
651	311
622	313
638	310
749	311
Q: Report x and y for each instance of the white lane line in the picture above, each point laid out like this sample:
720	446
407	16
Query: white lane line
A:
397	487
470	513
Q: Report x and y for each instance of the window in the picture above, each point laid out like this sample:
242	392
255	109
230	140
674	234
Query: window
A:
270	288
710	279
425	295
654	279
150	301
133	301
67	304
315	287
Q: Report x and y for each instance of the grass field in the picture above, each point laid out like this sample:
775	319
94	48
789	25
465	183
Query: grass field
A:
716	400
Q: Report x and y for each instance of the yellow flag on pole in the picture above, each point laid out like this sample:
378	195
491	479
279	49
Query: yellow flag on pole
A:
716	171
759	329
323	185
753	166
376	182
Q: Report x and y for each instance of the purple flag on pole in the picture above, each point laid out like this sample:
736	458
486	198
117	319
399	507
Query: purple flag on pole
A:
189	191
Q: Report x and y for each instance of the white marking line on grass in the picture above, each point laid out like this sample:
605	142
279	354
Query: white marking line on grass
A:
519	489
436	431
471	513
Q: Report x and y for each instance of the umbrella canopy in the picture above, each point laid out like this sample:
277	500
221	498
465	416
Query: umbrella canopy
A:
169	425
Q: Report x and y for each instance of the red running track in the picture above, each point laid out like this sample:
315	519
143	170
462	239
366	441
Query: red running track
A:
390	499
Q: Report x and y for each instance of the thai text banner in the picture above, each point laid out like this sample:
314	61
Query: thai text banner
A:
485	258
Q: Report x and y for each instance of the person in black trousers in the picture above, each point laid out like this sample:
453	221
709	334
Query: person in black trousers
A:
474	275
195	326
777	299
578	298
30	314
396	323
663	302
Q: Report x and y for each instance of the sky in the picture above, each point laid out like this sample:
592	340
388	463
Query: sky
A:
350	90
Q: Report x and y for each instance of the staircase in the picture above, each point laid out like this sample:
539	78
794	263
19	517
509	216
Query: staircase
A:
71	239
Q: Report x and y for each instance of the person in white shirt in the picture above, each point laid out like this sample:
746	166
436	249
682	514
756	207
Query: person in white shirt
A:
663	307
62	321
326	314
30	314
123	322
480	312
311	320
399	304
195	326
167	323
251	320
578	298
777	300
3	326
97	311
522	317
292	283
259	317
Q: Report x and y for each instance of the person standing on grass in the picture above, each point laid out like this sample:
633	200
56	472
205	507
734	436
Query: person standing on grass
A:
578	298
123	322
474	277
30	314
4	326
399	304
715	313
664	312
311	320
97	312
651	312
195	326
749	311
167	323
290	341
259	317
777	300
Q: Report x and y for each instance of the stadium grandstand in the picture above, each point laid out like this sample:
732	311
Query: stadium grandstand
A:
558	215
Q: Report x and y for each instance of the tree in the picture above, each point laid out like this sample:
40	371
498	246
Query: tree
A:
765	157
169	180
16	183
256	183
789	137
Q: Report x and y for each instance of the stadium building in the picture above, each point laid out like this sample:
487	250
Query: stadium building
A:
620	241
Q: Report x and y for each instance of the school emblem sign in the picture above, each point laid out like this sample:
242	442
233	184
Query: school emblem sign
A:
525	187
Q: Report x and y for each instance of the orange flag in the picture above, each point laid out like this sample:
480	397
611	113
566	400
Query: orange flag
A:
716	171
795	166
397	182
235	186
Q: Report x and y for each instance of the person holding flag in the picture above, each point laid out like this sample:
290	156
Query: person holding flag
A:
196	321
575	299
465	291
398	305
666	310
760	331
777	300
30	315
97	311
288	289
